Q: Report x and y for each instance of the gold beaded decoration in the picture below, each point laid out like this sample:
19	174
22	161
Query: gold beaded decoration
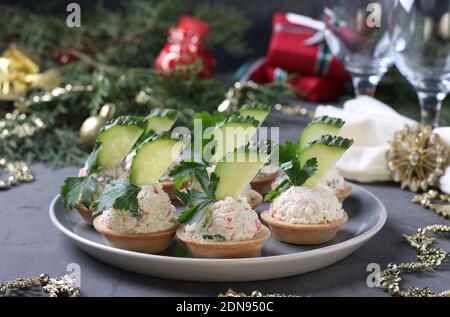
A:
428	200
294	110
54	287
19	123
235	93
18	172
417	157
231	293
429	258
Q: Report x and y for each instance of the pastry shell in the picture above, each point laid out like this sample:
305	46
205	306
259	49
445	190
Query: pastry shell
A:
169	187
303	234
344	192
255	199
85	214
154	242
223	250
264	184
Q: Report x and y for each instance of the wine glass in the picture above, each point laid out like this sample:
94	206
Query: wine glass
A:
357	32
420	34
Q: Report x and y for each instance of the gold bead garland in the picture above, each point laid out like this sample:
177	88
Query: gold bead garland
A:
294	110
54	287
18	172
20	124
231	293
234	94
417	157
427	200
428	258
17	123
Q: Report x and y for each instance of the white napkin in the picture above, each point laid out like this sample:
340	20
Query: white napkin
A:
371	124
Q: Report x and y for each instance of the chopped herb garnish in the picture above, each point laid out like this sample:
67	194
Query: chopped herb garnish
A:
216	237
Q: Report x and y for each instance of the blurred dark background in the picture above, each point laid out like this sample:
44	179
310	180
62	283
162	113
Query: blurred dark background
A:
259	12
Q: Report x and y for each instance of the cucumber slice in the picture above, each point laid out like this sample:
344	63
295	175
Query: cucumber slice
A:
117	139
317	127
232	133
160	120
153	157
255	110
236	171
327	150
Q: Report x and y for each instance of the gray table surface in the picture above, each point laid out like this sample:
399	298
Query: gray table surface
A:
30	245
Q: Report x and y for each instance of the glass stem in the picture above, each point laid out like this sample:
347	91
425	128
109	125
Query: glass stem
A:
365	84
430	106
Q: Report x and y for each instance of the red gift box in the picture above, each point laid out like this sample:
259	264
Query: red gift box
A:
308	87
291	48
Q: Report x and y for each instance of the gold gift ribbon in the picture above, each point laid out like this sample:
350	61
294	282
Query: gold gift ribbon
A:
18	73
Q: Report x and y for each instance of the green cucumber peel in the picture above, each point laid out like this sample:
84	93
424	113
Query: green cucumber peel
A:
169	113
235	118
126	121
330	140
327	120
254	105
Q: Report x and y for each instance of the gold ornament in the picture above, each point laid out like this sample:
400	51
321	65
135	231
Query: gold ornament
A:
417	157
54	287
18	73
231	293
18	172
427	200
91	126
429	258
19	123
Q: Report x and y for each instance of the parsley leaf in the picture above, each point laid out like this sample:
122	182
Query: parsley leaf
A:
287	152
191	197
121	194
184	170
297	176
277	191
91	161
208	121
198	201
78	190
207	182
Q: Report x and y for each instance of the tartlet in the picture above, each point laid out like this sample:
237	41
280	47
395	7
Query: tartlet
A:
344	192
254	199
85	214
169	187
155	242
310	234
226	249
340	194
262	183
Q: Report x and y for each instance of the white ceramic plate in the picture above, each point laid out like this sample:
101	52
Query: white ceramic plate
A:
367	216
